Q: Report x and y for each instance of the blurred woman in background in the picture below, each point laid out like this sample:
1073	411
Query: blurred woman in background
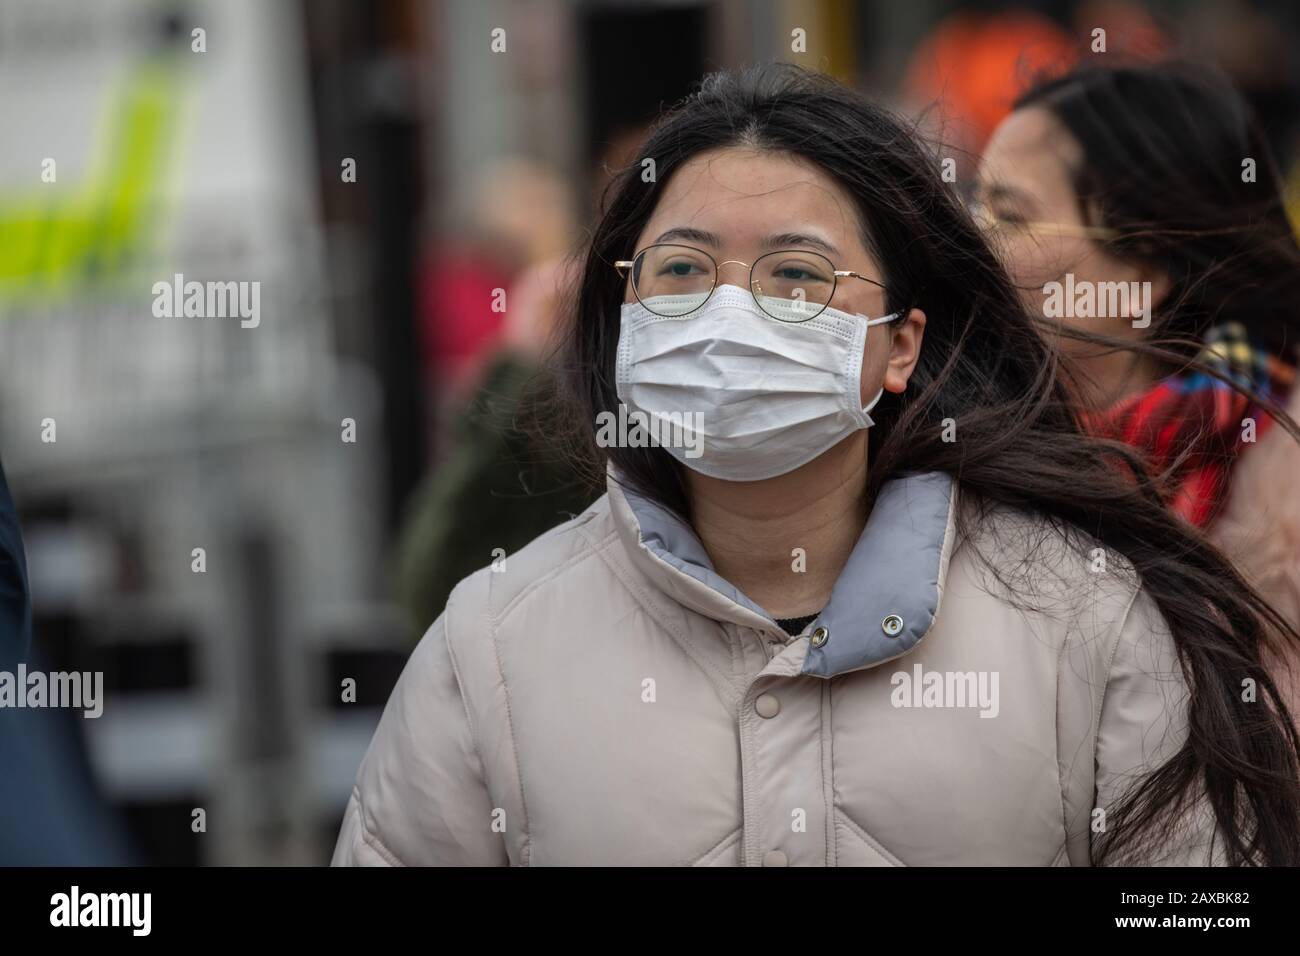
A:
1151	186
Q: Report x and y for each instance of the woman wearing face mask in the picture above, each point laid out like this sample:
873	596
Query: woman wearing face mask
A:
956	637
1155	179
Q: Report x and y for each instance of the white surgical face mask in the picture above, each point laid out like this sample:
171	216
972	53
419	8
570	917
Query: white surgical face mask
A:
755	396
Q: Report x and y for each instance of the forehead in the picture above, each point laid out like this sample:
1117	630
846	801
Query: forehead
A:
1032	149
744	194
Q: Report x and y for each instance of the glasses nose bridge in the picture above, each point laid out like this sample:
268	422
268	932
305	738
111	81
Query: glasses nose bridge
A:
737	262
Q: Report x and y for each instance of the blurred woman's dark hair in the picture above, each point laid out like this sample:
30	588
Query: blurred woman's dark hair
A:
1175	164
984	366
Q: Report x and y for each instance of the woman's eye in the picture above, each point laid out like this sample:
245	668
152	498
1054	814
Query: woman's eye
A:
799	272
681	269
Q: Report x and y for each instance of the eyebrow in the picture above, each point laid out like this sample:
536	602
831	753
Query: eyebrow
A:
787	240
689	235
783	240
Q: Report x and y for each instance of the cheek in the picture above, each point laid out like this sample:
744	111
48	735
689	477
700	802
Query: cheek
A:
1032	261
1092	267
1096	266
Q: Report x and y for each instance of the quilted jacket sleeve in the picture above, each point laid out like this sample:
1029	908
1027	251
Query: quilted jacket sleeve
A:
1142	725
420	797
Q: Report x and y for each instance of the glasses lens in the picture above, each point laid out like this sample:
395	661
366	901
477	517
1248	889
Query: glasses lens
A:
793	286
673	280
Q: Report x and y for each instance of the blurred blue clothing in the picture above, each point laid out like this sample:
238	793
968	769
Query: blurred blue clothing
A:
50	811
15	596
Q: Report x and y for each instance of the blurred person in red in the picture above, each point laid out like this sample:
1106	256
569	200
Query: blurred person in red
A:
503	478
521	215
501	481
1156	180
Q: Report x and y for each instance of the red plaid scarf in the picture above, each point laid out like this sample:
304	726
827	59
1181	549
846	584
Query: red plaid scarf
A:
1190	425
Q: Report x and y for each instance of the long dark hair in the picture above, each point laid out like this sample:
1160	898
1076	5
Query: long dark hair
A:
983	365
1176	165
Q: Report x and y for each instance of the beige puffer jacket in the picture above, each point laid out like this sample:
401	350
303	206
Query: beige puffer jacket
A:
604	697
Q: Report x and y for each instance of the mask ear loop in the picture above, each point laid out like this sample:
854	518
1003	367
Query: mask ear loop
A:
866	409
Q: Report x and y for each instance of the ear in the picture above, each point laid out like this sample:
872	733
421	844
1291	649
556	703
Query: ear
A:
904	350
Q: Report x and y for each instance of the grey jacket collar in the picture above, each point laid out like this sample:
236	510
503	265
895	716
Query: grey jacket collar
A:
882	605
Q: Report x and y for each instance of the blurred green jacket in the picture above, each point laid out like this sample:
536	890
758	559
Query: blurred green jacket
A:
500	485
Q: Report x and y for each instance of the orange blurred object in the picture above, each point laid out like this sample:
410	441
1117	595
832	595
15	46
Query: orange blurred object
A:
975	66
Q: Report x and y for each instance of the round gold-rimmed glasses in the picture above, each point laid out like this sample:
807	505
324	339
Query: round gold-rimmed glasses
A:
790	285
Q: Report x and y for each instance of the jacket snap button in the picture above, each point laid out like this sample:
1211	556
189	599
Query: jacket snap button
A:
767	705
774	858
892	625
820	637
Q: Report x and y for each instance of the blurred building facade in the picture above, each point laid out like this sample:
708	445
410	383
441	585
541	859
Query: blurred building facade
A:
195	526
